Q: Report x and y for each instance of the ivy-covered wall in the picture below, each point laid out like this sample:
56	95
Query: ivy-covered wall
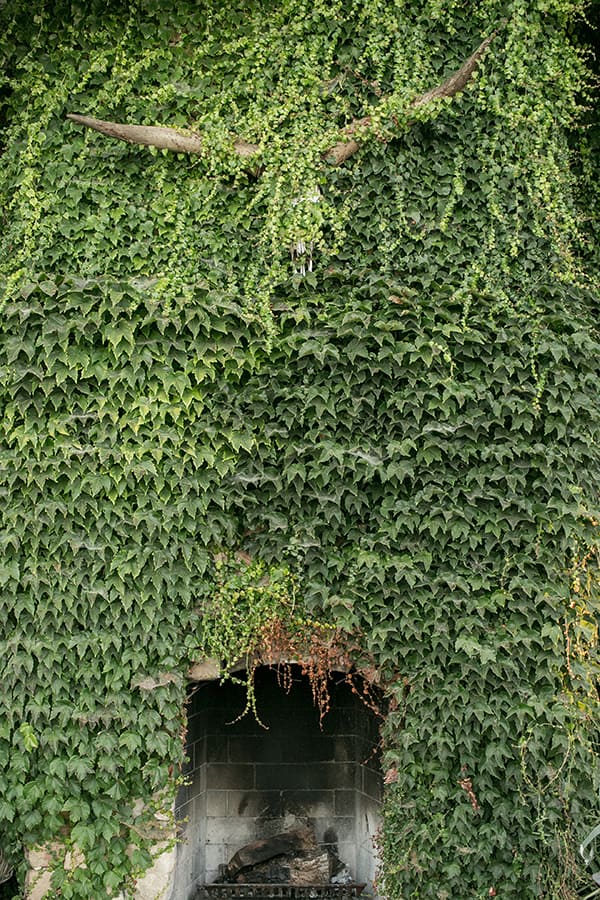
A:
400	446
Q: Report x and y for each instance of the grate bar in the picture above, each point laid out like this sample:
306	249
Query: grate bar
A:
279	891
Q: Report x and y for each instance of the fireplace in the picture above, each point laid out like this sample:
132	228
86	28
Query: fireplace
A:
249	780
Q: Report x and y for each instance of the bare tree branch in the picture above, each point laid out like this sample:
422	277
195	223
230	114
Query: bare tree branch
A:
458	81
166	138
344	149
157	136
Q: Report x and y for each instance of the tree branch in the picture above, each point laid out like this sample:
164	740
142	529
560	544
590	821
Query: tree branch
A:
458	81
166	138
160	136
343	150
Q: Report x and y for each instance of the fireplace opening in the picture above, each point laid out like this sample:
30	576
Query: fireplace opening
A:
251	781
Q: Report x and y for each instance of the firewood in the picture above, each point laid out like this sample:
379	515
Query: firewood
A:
314	869
287	842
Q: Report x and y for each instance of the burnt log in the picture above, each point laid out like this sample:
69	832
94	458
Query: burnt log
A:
313	869
297	841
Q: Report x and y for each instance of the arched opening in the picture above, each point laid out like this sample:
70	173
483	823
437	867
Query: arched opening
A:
288	770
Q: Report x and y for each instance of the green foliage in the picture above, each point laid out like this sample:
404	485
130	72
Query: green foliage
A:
404	443
241	603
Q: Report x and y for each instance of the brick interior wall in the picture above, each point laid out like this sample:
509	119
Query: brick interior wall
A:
246	781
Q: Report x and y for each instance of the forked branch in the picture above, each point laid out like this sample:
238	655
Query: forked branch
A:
344	149
166	138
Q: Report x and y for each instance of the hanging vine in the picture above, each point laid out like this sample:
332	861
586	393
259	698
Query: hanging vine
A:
255	400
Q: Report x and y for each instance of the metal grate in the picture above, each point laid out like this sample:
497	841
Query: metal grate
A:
279	891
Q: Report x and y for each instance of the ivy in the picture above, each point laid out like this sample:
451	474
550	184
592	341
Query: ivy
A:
205	452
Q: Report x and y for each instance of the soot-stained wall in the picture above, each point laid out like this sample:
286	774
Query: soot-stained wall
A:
247	781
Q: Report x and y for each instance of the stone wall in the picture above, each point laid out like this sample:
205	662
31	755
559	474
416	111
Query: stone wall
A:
156	884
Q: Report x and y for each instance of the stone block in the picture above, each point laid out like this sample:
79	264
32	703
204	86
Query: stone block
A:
205	670
158	880
319	749
254	804
184	794
217	748
216	855
372	783
199	752
338	830
284	777
42	857
184	814
255	748
199	812
232	832
187	766
332	775
37	883
74	859
196	788
340	721
307	803
235	777
345	803
216	803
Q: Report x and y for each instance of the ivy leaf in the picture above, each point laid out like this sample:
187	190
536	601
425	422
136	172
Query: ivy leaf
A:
30	739
472	648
